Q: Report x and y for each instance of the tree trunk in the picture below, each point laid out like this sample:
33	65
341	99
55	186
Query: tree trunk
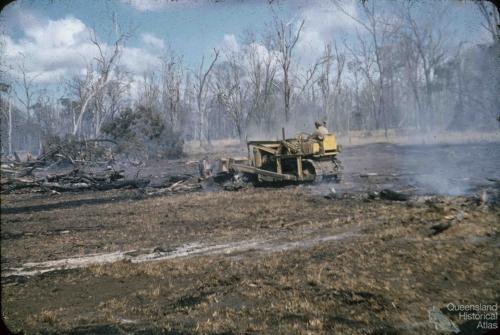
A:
240	132
382	111
78	123
349	112
10	127
418	104
428	101
287	97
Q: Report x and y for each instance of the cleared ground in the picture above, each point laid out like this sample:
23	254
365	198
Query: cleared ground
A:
261	260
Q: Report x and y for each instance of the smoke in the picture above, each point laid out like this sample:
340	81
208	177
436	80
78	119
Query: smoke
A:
452	169
442	183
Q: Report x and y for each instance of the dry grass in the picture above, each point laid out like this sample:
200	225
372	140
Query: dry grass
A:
383	280
375	284
48	318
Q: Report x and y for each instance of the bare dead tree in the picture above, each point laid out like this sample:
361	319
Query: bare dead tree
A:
7	90
380	29
365	63
110	99
108	102
26	86
10	125
233	90
428	43
45	112
150	93
25	92
116	94
491	16
324	81
308	78
286	39
172	74
255	66
328	82
261	72
94	83
202	77
411	63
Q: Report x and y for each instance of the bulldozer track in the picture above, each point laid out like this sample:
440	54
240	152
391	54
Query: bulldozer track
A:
325	170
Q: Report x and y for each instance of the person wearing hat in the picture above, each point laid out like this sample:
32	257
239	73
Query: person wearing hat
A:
319	132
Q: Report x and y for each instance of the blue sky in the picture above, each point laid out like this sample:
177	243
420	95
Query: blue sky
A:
54	39
190	29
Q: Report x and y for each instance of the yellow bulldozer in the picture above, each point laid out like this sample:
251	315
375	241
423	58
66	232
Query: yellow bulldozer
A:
298	159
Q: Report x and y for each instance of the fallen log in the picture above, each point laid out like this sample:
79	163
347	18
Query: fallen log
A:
65	157
388	194
14	184
28	171
65	187
135	183
77	175
439	228
166	189
8	171
179	186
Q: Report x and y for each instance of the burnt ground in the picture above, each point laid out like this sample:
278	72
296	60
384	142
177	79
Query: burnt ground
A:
261	260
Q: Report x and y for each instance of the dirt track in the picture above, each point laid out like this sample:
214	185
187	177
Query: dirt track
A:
261	260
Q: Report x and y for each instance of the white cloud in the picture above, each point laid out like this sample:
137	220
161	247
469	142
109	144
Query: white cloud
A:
137	60
153	41
50	49
229	43
59	33
260	50
53	49
324	23
152	5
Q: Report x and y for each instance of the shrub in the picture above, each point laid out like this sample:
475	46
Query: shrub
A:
144	133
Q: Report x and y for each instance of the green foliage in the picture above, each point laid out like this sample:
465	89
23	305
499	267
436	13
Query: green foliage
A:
143	133
121	129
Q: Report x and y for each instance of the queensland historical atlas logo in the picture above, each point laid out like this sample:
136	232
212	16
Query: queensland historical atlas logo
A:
485	315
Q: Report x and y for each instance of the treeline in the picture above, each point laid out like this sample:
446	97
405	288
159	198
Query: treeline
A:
400	71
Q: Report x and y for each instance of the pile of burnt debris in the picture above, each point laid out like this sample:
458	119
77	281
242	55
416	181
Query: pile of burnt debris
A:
75	180
34	174
80	180
58	171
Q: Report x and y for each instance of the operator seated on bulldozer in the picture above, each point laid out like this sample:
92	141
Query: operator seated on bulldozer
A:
319	134
320	131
